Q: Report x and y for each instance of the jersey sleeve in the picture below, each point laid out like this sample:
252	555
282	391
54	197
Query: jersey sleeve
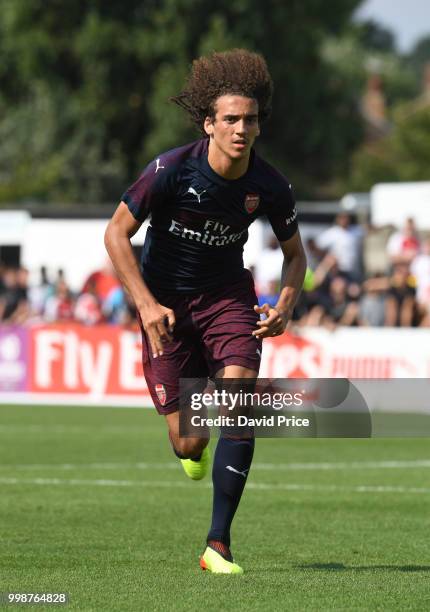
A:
151	189
282	213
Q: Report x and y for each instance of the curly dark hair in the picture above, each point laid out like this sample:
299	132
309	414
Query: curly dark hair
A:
238	72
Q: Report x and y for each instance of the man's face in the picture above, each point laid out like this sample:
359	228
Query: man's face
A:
235	126
343	220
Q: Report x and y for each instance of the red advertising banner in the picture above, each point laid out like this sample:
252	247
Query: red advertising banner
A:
63	363
289	356
98	361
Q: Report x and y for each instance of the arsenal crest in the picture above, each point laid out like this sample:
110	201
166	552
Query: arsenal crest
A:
160	390
252	200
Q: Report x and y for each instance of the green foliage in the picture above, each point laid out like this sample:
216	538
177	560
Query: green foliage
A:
354	58
419	57
411	143
85	87
404	155
373	36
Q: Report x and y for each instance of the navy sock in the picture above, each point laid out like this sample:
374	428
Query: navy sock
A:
231	466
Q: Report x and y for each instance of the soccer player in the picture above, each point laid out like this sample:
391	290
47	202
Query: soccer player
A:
195	299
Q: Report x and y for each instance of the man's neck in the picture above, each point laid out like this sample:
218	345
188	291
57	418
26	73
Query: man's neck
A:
226	167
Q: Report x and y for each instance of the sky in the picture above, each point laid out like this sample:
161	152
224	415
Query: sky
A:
408	19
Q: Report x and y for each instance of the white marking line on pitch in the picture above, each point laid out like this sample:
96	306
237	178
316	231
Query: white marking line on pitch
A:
69	429
184	485
342	465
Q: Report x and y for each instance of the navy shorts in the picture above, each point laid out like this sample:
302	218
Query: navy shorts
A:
212	330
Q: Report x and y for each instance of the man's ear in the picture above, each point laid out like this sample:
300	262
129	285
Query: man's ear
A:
208	126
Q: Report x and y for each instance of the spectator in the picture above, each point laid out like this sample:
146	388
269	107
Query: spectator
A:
420	268
128	316
103	280
117	308
313	300
400	305
339	306
39	294
342	309
329	297
271	296
404	245
13	296
372	303
88	308
342	243
268	267
313	254
60	306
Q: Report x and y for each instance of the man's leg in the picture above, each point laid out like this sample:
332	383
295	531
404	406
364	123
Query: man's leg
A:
184	448
193	452
232	462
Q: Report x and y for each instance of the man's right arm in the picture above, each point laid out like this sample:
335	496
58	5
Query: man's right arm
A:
158	321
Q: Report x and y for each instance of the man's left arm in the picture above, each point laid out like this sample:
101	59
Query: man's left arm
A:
293	274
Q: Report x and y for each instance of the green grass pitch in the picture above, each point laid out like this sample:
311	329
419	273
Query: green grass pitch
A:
94	503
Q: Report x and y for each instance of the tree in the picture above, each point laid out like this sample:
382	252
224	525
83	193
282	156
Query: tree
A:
373	36
309	98
356	54
419	57
85	87
404	155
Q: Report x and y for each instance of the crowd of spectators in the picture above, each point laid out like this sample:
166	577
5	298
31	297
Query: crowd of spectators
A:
101	299
337	289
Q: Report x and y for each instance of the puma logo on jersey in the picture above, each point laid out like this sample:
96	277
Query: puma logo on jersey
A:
159	166
194	192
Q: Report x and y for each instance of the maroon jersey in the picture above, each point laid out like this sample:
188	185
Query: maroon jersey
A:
199	220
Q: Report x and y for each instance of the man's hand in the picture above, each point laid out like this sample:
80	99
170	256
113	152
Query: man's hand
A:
274	324
158	323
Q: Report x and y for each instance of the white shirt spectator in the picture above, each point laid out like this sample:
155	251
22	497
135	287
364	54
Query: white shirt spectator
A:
268	267
344	243
404	245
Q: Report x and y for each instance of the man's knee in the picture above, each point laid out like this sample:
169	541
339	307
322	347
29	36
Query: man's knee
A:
190	447
187	447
